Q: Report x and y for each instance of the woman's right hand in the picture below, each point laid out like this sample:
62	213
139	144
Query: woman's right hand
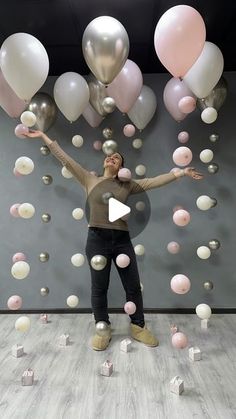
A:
34	133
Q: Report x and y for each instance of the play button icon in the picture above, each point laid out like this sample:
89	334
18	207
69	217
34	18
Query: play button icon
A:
116	210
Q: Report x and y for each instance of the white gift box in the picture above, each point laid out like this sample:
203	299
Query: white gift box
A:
204	323
17	350
195	353
64	340
107	368
125	345
43	318
27	377
177	385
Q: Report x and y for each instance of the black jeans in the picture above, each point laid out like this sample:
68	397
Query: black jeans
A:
110	243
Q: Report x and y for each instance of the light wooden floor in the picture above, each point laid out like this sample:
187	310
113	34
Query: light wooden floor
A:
68	384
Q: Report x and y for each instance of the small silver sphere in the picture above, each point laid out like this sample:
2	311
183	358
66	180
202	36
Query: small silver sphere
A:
44	257
213	202
214	137
108	104
44	291
109	147
106	196
44	150
208	285
102	328
98	262
46	218
107	133
214	244
213	168
47	179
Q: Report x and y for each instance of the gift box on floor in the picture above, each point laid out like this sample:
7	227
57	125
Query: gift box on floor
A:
43	318
64	340
174	328
195	353
177	385
125	345
17	350
107	368
27	377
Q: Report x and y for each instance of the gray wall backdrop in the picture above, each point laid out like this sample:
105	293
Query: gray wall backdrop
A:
64	236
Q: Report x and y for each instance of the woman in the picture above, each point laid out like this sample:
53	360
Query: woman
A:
110	239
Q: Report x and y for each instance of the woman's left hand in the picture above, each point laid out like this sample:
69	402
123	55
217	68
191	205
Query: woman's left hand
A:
191	172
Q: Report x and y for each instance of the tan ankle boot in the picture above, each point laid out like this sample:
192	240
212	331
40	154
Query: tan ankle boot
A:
142	334
100	343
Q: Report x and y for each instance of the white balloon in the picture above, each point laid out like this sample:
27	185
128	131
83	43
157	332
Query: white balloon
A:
72	301
28	119
203	252
24	165
66	173
204	202
139	249
140	170
209	115
77	140
20	269
22	324
26	210
206	155
77	259
137	143
206	71
24	64
203	311
77	213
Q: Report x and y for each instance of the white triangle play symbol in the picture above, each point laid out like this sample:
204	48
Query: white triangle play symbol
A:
116	209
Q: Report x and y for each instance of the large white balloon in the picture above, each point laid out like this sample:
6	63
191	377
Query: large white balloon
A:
204	202
24	64
144	108
71	94
22	324
209	115
24	165
26	210
203	311
20	269
206	71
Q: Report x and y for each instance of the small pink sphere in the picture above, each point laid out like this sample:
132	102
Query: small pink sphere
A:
122	260
182	156
14	210
177	207
181	217
179	340
183	137
124	174
173	247
130	307
16	173
180	284
97	145
187	104
20	130
129	130
14	302
18	257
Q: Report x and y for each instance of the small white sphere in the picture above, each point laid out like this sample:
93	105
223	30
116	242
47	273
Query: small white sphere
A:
66	173
204	202
137	143
22	324
203	252
77	259
139	249
140	206
77	213
72	301
203	311
140	170
206	155
26	210
28	119
209	115
77	140
24	165
20	269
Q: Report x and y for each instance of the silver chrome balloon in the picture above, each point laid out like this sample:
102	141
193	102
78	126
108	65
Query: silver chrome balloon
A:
46	218
213	168
44	291
109	147
208	285
216	98
102	328
44	257
45	150
107	133
105	46
98	262
108	104
98	93
47	179
214	244
44	108
214	137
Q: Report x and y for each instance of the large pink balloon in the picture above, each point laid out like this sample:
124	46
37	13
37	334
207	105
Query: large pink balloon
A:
14	302
92	117
179	38
130	307
179	340
173	247
9	101
181	217
20	130
182	156
187	104
14	210
126	87
180	284
174	91
122	260
18	257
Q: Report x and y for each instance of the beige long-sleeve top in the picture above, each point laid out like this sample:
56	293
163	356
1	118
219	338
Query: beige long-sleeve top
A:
120	190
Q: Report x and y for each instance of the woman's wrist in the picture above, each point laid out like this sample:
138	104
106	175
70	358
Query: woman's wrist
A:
179	173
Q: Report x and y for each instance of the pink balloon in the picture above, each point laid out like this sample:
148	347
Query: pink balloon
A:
129	130
14	302
177	207
16	173
20	130
180	284
122	260
130	307
181	218
124	174
179	340
92	117
9	101
126	87
179	38
187	104
182	156
18	256
97	145
183	137
14	210
174	91
173	247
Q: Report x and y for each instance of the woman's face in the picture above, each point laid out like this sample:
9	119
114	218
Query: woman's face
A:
114	161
